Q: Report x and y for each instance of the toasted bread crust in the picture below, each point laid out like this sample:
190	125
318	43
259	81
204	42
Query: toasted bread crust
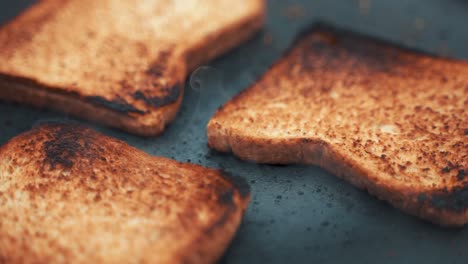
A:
91	51
71	195
106	112
385	118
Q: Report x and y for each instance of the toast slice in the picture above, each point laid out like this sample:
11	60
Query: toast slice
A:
120	63
71	195
388	119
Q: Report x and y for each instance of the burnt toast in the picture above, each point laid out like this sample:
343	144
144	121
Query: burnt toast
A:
69	194
118	63
389	119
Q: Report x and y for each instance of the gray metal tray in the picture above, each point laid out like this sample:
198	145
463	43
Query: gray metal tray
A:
300	214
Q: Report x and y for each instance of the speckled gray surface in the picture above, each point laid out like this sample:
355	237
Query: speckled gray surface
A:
301	214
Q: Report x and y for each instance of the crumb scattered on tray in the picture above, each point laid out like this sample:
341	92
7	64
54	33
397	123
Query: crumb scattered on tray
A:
294	11
443	49
365	6
419	23
267	39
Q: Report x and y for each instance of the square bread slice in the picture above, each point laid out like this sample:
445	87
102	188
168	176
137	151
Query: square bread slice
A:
119	63
388	119
71	195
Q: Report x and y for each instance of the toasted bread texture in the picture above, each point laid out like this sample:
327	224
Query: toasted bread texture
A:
71	195
388	119
120	63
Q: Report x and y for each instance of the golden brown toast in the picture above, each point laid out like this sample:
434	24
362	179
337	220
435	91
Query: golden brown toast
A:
120	63
388	119
71	195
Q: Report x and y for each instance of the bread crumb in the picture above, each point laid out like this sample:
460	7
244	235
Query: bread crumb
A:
419	23
443	49
365	6
294	11
267	39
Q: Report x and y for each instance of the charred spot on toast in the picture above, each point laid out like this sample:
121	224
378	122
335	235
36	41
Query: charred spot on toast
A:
69	143
226	197
332	46
151	91
461	174
239	183
170	96
455	199
159	67
118	104
333	35
222	220
225	200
